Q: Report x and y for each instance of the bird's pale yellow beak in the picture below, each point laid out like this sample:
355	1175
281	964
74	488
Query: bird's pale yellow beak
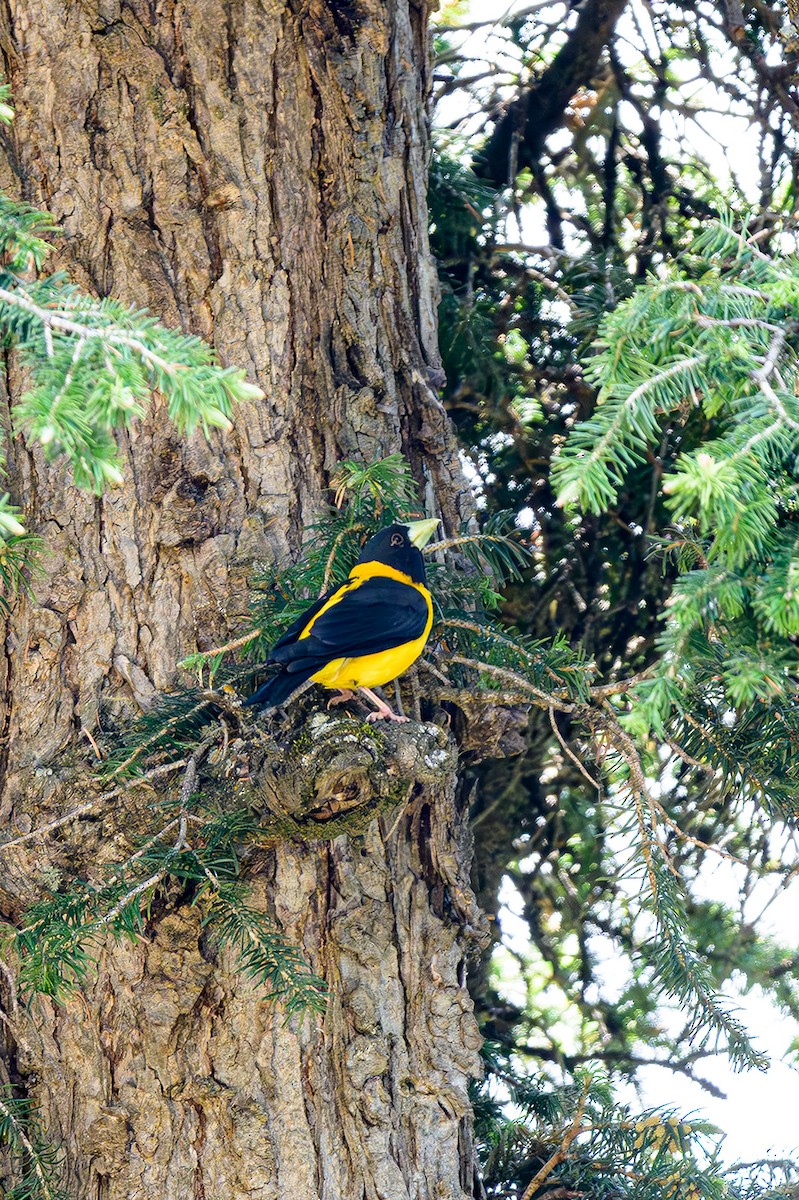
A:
420	532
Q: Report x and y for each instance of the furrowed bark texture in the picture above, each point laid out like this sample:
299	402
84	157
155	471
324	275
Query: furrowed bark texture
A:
254	172
174	1076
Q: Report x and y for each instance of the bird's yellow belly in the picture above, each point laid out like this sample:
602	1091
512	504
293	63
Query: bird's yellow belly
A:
370	670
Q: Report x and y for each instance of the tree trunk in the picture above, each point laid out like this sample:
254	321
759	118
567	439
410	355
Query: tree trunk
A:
256	173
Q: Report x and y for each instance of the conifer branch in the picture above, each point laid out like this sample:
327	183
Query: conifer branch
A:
93	365
25	1143
110	336
541	698
616	424
19	1132
573	1130
690	980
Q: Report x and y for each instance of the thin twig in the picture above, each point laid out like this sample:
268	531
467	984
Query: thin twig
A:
465	539
687	837
503	639
41	830
607	724
33	1157
599	692
236	644
109	333
186	790
603	690
460	696
568	751
207	698
332	556
114	912
85	733
141	851
705	322
495	21
574	1129
542	698
426	664
686	757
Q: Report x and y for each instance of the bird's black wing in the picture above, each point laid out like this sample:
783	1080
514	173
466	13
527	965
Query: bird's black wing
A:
278	687
296	627
373	615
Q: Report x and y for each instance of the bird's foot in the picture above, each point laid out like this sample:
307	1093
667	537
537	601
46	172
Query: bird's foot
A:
343	696
384	711
386	714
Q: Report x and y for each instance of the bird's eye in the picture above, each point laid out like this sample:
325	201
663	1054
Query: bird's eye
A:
397	539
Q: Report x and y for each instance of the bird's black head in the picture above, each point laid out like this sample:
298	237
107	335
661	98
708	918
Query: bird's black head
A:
393	547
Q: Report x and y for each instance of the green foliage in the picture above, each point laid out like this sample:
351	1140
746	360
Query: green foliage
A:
710	344
576	1136
682	345
371	490
34	1163
94	365
6	111
496	549
460	207
18	550
688	587
486	336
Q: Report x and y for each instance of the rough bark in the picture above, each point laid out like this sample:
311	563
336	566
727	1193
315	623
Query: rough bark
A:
256	173
174	1076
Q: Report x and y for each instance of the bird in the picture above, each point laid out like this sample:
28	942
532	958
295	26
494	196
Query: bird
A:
366	631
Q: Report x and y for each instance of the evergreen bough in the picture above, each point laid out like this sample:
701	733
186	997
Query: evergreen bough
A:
711	347
35	1161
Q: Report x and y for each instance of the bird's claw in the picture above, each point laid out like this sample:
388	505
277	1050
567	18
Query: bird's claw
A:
386	715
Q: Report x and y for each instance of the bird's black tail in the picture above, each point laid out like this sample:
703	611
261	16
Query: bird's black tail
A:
275	690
